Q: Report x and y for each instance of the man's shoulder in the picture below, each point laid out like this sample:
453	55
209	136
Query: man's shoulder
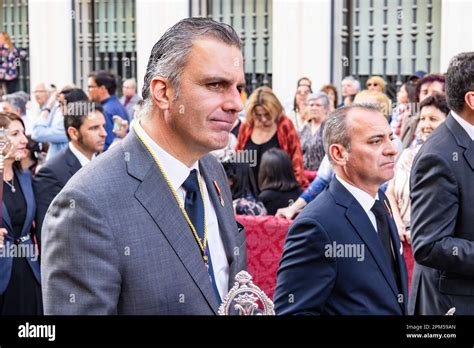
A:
102	172
112	106
58	162
440	143
322	208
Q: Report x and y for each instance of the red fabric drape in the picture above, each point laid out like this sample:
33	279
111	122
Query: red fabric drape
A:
265	240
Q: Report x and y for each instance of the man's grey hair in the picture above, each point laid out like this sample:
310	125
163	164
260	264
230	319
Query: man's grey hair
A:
170	54
18	101
319	96
337	131
353	80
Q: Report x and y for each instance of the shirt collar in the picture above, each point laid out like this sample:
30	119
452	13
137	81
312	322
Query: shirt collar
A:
176	171
83	160
469	128
364	199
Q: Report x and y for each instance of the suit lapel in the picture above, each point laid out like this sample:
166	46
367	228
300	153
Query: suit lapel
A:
364	228
72	162
224	216
24	180
167	215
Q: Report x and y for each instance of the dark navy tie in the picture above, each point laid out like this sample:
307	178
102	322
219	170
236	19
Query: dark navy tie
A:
194	206
383	231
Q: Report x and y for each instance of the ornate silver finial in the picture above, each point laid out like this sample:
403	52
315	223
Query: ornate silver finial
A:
5	144
451	311
246	297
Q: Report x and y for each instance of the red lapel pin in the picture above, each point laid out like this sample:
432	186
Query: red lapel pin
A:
219	193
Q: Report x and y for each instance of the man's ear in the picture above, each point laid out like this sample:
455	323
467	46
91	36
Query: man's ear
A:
161	92
338	154
73	133
469	100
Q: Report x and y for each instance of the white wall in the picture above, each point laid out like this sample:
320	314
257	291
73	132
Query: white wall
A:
153	17
457	29
50	32
301	44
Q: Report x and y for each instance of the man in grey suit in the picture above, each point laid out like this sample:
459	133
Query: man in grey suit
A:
442	212
148	227
130	97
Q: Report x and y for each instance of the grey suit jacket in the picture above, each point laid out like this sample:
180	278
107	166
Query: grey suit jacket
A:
116	242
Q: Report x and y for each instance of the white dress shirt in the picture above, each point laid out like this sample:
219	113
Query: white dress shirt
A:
364	199
469	128
83	160
177	172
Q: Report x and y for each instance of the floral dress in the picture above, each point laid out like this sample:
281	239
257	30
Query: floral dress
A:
8	63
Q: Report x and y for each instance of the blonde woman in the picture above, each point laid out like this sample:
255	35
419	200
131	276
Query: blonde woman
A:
376	84
267	127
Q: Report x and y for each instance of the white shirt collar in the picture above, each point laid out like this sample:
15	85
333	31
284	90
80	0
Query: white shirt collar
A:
364	199
176	170
469	128
83	160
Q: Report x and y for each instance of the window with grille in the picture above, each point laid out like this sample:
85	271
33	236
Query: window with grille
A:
104	39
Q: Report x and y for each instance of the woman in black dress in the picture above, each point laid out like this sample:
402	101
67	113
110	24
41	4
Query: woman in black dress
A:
277	181
20	290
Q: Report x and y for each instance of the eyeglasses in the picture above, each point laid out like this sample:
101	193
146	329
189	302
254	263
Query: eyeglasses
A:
372	84
90	87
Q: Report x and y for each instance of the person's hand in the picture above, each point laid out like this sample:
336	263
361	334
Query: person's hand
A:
51	100
287	212
403	233
3	233
121	131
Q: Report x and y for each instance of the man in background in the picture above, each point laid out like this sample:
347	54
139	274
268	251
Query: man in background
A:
101	87
85	125
130	97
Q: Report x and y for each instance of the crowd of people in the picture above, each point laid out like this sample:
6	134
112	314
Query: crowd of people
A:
268	151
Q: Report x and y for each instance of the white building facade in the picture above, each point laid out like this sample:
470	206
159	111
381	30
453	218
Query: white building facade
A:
285	39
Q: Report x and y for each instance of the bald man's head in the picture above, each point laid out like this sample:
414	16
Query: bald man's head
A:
129	88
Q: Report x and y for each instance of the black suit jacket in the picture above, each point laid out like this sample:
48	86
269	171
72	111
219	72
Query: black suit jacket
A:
50	180
442	220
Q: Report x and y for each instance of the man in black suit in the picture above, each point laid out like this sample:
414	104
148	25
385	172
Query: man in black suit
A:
85	127
442	212
342	255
